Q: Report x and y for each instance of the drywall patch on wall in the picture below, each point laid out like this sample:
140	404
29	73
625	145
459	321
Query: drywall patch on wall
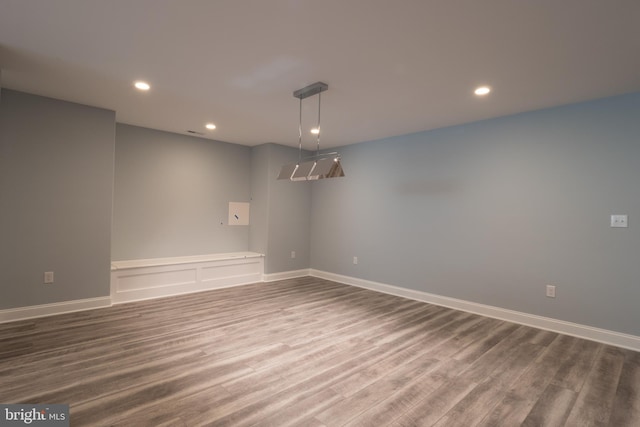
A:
239	213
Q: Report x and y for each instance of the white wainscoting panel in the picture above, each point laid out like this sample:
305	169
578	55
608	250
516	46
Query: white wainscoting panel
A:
155	277
134	280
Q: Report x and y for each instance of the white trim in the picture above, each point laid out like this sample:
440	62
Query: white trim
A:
605	336
136	280
155	262
286	275
34	311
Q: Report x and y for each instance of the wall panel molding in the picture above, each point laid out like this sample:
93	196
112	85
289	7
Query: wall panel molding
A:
135	280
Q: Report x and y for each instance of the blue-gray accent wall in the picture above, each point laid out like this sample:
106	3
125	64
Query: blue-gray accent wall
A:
493	211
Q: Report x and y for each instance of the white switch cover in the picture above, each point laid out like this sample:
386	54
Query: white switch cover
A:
619	221
48	277
551	291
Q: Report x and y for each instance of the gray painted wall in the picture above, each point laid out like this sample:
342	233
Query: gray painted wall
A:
489	212
172	194
56	185
285	210
289	215
258	228
493	211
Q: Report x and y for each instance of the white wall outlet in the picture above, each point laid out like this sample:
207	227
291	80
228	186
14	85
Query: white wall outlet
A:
551	291
293	254
355	259
619	221
48	277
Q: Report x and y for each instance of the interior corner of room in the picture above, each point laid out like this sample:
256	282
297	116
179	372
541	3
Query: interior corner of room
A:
481	216
523	208
172	252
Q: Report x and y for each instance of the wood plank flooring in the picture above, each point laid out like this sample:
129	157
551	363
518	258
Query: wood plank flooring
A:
310	352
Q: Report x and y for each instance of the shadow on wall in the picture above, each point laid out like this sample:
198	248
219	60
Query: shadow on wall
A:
428	188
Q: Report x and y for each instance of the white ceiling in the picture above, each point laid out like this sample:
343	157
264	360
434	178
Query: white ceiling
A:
393	67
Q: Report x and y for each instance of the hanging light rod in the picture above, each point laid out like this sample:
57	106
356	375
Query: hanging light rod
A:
312	89
319	165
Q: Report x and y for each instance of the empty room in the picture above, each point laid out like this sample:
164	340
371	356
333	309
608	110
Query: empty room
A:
319	213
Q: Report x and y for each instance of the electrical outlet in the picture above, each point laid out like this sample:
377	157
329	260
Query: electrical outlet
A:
619	221
48	277
293	254
355	259
551	291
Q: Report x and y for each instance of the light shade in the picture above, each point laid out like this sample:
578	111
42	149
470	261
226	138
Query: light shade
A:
312	170
302	171
329	167
321	165
287	171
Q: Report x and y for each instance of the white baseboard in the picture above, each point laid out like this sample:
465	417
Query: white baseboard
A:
31	312
135	280
605	336
286	275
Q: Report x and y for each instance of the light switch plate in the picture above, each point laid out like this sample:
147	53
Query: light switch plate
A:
551	291
619	221
48	277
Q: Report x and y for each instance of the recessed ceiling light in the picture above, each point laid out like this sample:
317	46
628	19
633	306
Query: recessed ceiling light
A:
482	90
315	131
210	126
140	85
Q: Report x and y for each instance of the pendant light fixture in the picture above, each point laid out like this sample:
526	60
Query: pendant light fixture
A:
318	166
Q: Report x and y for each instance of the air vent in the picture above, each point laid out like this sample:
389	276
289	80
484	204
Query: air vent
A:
193	132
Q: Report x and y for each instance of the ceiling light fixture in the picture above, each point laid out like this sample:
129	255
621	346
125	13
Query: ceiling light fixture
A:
318	166
482	90
315	131
210	126
140	85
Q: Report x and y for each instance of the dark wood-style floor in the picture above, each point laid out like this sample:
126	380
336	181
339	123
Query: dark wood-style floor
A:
310	352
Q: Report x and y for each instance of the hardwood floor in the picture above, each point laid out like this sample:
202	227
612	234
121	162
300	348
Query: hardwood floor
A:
310	352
